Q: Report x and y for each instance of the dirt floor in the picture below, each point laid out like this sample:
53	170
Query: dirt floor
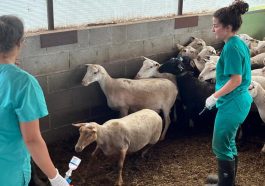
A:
183	161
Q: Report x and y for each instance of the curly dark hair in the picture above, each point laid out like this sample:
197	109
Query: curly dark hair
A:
231	15
11	32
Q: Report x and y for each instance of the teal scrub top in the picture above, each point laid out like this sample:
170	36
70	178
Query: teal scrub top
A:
234	60
21	100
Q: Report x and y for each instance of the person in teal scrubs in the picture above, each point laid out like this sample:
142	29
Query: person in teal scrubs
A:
22	103
232	99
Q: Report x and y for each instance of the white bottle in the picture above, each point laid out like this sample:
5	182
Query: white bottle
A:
74	163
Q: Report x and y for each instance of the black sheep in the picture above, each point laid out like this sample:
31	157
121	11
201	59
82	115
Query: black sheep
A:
193	92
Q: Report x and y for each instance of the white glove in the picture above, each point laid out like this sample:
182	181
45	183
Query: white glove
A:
210	102
58	180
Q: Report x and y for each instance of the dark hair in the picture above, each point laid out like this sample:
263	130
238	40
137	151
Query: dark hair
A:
11	32
231	15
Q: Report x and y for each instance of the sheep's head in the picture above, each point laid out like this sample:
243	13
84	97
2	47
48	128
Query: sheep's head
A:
174	66
149	69
197	43
189	51
208	72
88	134
94	73
207	50
253	88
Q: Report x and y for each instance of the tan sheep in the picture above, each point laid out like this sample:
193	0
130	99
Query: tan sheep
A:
126	95
121	136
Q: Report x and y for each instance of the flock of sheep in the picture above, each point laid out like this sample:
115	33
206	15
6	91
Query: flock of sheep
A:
189	78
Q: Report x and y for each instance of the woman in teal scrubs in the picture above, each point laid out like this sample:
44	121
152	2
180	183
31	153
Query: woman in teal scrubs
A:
21	105
232	99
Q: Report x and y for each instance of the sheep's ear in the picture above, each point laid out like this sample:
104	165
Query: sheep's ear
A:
79	124
145	58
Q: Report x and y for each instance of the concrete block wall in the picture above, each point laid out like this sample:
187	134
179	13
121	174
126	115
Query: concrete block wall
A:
60	69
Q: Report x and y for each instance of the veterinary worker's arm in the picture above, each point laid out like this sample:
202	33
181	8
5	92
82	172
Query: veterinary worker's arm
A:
232	84
39	152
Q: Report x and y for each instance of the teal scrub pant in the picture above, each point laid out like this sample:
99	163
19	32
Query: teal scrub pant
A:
229	117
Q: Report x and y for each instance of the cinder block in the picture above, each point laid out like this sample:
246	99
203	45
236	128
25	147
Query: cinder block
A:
66	80
100	36
59	100
66	117
102	114
163	57
133	66
205	22
115	69
181	39
158	45
160	28
31	47
83	38
62	133
45	123
43	83
208	36
137	31
89	96
62	48
46	64
119	34
126	51
89	55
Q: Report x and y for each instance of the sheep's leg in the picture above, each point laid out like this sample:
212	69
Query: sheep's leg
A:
94	157
95	152
167	122
124	112
146	150
121	162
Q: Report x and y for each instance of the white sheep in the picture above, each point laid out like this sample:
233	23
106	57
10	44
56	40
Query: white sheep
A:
188	51
258	72
150	69
258	59
258	95
197	43
260	80
127	95
209	71
250	42
121	136
201	59
260	48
